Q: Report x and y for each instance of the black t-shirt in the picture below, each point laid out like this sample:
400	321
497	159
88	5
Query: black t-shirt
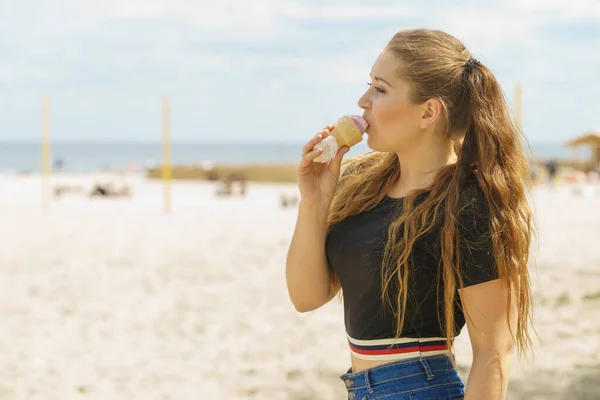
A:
355	249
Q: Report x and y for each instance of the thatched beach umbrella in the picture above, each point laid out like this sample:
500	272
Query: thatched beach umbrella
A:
590	140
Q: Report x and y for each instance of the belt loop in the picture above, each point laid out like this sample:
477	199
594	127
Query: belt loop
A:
425	365
369	388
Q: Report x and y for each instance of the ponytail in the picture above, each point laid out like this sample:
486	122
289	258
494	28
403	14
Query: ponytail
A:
493	145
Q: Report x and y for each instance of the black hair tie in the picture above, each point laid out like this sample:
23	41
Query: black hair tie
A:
471	64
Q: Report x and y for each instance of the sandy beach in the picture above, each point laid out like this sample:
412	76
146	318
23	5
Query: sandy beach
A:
113	299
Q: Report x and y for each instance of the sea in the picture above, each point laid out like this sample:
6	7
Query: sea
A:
78	156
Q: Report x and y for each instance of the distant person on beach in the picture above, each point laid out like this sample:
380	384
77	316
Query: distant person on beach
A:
534	172
427	233
552	167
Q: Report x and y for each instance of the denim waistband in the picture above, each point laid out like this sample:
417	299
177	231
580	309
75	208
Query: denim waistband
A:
426	366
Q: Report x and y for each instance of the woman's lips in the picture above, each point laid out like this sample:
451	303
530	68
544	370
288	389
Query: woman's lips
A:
360	122
368	124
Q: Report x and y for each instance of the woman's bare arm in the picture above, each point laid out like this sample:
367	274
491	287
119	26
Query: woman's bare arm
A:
487	311
309	281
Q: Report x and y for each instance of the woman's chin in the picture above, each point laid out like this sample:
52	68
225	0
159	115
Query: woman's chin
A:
370	143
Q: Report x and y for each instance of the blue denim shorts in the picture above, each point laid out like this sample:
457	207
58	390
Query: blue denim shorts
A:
424	378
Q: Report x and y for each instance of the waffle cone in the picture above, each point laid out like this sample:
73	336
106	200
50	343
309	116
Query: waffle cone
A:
346	132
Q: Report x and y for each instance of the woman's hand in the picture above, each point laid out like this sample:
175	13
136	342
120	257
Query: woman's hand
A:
317	181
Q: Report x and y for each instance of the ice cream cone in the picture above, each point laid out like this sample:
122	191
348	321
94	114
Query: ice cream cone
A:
346	132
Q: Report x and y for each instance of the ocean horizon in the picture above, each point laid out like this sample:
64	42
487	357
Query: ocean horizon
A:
89	156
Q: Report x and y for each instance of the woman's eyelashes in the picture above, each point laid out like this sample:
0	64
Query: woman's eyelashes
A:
377	88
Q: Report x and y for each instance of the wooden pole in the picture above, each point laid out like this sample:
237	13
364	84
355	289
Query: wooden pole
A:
519	107
166	150
46	152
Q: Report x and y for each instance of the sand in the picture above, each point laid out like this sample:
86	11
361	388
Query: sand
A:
113	299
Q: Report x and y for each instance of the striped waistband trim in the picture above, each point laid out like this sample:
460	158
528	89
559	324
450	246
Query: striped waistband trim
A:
397	349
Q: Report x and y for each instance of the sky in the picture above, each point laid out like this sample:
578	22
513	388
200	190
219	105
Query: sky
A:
274	70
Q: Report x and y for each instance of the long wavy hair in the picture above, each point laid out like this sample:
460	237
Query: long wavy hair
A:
491	149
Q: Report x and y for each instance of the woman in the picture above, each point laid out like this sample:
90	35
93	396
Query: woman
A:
427	233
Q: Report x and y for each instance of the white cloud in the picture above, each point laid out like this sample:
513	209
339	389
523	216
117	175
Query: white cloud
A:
559	9
345	12
261	15
135	9
231	17
565	62
513	22
333	69
488	29
344	71
43	25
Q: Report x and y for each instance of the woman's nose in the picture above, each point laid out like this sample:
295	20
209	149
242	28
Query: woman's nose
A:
364	102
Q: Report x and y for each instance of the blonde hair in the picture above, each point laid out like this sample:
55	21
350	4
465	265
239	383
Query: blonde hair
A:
433	62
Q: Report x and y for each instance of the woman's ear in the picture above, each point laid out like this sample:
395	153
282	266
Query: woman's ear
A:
430	112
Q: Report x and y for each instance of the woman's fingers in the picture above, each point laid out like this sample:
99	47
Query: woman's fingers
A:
308	147
307	159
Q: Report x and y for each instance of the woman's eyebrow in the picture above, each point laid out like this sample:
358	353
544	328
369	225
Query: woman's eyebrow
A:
377	78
